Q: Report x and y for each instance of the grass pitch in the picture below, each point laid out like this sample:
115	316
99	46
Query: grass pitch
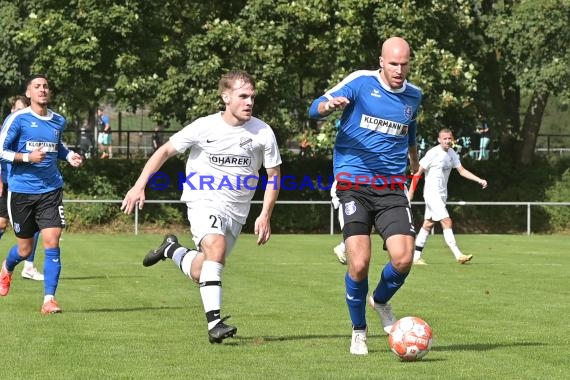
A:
503	316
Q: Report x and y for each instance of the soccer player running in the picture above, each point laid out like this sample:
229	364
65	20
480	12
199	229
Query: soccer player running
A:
437	164
226	148
31	141
29	271
376	136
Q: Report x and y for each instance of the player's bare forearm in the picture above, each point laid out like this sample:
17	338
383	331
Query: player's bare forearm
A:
467	174
271	191
262	223
136	193
413	157
325	108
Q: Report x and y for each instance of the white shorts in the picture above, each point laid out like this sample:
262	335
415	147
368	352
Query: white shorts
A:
435	207
208	220
334	197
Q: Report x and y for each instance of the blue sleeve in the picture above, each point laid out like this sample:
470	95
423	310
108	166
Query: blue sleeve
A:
105	119
412	133
10	131
313	110
62	151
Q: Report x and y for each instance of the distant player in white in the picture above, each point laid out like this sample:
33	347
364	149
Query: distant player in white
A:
437	164
227	149
340	249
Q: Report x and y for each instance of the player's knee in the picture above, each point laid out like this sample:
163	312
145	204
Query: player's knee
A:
446	223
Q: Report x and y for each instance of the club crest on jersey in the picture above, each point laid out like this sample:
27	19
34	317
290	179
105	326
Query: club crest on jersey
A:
408	112
349	208
245	143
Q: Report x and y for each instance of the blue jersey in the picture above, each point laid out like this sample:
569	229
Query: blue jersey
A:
376	128
23	132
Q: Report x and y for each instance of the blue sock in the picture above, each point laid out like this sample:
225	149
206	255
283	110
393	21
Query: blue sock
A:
30	258
13	258
52	269
390	281
356	300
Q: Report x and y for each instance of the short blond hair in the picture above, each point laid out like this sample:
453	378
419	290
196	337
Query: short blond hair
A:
228	79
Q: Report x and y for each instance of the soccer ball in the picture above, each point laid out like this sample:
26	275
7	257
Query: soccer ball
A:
410	338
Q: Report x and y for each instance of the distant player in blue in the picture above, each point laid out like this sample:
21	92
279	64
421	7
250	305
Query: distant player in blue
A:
376	137
31	141
29	271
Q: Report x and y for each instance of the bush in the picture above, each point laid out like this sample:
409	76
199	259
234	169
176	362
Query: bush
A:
559	192
111	179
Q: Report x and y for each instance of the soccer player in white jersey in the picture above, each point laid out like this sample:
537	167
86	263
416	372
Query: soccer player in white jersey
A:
437	164
376	136
227	150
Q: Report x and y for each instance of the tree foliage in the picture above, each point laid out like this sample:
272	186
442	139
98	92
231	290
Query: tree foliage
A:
532	40
168	55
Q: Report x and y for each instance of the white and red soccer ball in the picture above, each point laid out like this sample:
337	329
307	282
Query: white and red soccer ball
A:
410	338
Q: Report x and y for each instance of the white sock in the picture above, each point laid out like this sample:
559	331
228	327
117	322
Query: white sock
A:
211	294
186	263
48	297
421	240
182	258
28	265
341	246
450	240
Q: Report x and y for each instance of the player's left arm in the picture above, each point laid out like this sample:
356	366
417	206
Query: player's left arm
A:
64	153
467	174
262	224
414	160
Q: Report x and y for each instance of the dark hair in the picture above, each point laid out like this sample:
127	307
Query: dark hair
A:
35	76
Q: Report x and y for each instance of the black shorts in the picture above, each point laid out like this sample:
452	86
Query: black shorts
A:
4	202
30	213
388	210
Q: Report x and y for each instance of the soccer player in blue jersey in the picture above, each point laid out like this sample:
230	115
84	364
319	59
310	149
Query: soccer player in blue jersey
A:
31	141
29	271
376	137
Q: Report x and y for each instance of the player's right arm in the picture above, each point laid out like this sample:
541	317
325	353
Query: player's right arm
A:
324	107
136	193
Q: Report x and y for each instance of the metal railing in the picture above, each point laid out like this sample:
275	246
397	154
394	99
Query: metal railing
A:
332	221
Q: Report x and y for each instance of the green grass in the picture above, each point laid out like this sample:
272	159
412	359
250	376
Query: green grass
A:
503	316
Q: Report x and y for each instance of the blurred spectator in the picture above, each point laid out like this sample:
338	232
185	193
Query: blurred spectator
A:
86	141
422	146
305	145
157	138
485	138
104	138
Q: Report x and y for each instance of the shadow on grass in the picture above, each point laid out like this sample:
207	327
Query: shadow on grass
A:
96	277
258	340
485	346
124	310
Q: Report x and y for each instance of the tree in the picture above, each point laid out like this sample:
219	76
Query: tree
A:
532	47
12	61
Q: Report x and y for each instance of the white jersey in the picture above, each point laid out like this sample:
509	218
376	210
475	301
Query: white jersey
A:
437	164
224	162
